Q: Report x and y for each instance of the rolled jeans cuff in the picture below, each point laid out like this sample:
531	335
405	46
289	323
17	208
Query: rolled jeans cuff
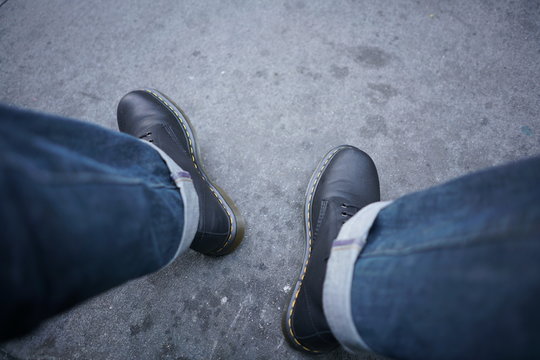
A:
339	275
183	181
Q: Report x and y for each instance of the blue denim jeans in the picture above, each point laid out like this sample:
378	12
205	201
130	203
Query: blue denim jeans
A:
82	209
449	272
453	272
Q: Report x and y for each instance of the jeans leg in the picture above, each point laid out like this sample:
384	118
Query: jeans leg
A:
83	209
453	272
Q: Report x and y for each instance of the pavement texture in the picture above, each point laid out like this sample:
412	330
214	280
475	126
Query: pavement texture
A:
431	90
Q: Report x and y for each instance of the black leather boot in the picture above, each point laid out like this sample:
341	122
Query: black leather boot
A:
151	116
345	181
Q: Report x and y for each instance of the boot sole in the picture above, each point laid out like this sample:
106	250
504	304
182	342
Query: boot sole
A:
236	221
286	323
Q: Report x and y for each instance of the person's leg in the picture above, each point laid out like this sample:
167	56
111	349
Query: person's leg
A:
449	272
153	117
344	181
453	272
83	209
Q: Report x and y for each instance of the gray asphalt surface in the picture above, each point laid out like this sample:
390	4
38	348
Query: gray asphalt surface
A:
430	89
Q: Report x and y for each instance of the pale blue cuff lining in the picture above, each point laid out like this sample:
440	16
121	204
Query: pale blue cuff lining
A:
184	183
339	275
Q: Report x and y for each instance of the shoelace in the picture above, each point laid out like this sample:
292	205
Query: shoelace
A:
147	137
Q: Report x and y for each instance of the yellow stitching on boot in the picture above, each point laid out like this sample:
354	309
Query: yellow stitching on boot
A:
195	164
304	270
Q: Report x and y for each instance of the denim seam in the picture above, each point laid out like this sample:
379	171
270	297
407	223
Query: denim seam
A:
118	183
81	177
434	246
